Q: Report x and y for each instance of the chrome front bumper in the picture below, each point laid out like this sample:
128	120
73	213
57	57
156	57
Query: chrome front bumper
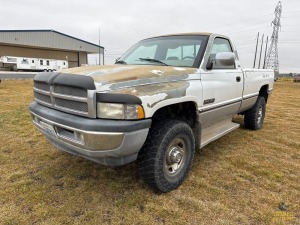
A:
106	142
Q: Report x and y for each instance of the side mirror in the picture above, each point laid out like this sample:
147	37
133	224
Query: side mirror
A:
221	59
225	58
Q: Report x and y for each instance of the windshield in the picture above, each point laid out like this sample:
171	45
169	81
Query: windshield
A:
185	51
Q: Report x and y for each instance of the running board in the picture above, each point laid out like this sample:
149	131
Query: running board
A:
216	131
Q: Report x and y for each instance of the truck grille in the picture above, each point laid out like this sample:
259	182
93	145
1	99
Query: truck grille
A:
42	97
73	91
42	86
70	99
74	105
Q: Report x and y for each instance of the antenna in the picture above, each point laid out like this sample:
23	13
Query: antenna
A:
272	57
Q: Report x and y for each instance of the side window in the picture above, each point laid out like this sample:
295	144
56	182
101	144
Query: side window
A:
220	45
41	62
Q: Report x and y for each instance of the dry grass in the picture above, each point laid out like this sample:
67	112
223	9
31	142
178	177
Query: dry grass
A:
241	178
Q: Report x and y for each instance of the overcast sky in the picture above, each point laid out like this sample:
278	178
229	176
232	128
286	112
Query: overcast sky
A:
123	23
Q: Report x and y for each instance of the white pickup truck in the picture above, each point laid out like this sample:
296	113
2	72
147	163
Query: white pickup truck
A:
163	98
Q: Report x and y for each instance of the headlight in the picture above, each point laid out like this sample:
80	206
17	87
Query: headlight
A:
120	111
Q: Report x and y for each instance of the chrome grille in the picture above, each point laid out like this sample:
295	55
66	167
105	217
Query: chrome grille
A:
69	90
74	100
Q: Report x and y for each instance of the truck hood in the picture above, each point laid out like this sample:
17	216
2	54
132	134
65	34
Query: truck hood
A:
113	77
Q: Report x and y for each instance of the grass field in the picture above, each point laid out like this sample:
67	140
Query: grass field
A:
245	177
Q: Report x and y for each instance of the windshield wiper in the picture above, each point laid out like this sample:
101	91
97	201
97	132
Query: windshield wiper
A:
120	62
153	60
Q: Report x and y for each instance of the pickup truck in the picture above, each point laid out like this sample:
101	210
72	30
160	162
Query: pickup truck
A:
164	98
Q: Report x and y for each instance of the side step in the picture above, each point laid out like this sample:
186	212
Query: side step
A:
217	130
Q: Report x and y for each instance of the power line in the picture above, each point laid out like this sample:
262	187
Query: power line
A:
250	26
290	43
292	25
234	23
290	16
246	30
285	31
289	12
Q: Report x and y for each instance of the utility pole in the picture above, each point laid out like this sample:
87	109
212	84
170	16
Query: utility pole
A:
272	57
256	50
266	53
99	47
262	41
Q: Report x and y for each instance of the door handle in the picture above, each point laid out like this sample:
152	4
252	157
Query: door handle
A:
238	79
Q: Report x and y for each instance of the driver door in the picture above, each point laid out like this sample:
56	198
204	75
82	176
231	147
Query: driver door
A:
222	87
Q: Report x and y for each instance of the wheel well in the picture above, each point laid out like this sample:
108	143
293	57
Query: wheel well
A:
185	111
264	92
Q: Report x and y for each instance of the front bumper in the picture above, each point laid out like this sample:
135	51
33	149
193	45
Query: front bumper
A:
108	142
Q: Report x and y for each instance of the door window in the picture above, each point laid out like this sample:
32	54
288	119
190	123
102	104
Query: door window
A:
220	45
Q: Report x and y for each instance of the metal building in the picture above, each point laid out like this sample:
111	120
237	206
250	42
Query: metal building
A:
48	44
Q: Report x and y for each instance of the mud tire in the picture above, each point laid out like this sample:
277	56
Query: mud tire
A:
254	117
167	155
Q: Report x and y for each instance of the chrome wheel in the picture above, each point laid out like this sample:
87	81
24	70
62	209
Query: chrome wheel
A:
175	156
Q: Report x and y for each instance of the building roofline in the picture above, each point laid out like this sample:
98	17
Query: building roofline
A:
54	31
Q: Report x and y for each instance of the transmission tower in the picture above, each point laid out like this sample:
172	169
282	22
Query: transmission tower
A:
272	57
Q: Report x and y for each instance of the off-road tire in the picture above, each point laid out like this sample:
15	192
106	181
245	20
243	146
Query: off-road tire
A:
167	142
254	117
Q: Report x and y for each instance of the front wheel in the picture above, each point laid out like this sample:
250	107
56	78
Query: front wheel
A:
255	116
166	157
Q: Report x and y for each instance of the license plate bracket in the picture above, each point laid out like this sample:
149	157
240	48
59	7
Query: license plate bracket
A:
49	129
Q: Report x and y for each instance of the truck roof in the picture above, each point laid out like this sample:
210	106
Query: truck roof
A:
189	33
183	34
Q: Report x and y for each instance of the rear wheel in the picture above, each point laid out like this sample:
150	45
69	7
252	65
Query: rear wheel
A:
255	116
166	157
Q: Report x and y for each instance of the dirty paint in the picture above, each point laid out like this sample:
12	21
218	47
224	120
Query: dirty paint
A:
121	73
155	93
138	82
151	100
157	72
